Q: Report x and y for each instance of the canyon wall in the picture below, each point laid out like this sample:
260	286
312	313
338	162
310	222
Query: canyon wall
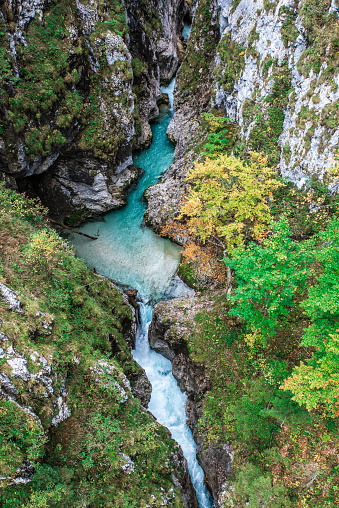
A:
80	81
272	69
277	78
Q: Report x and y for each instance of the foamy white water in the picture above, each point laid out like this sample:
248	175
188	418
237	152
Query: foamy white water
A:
168	403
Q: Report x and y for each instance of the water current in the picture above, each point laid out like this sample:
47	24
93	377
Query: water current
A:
132	254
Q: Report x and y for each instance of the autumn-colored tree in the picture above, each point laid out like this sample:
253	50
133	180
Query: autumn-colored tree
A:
42	251
229	199
316	383
227	204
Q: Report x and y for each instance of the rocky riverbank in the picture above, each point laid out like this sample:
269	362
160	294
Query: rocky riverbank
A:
168	335
73	401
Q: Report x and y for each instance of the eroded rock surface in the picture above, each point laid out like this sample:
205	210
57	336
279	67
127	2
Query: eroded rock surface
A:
68	134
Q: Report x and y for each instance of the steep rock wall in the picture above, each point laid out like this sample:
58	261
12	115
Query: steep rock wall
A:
68	108
157	51
277	78
272	68
194	84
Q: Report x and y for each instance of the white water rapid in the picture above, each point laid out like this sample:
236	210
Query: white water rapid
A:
168	402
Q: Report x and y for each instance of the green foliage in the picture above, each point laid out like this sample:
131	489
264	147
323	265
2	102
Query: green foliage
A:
45	102
12	203
138	66
268	5
102	441
41	82
200	50
323	35
76	463
255	490
316	382
21	438
269	118
220	137
232	62
269	276
308	210
289	31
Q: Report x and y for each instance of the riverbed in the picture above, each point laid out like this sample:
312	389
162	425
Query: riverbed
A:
130	253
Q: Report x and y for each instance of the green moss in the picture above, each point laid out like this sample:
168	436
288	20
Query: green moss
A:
287	153
268	6
330	116
45	94
195	67
253	37
21	438
189	273
270	118
78	462
235	4
232	57
248	111
289	32
323	36
267	64
138	66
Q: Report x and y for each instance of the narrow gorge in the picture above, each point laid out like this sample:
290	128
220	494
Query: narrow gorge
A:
186	353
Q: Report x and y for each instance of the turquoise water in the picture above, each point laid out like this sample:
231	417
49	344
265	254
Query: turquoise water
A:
125	250
133	255
186	30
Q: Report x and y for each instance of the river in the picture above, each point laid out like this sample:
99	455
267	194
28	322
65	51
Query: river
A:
132	254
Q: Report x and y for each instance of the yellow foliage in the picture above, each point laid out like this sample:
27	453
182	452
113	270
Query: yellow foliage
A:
42	250
317	384
230	199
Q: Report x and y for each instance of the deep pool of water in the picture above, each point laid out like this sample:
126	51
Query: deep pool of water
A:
132	254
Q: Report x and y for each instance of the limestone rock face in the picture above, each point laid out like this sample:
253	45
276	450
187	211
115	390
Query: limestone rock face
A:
266	70
273	44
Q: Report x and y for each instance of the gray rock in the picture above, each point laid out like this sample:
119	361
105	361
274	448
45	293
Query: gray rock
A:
104	374
304	160
170	328
128	464
10	298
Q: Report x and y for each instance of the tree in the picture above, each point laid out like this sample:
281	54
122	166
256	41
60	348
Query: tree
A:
42	251
255	490
316	383
227	203
268	277
230	199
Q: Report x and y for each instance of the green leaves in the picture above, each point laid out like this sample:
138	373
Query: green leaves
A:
316	382
268	277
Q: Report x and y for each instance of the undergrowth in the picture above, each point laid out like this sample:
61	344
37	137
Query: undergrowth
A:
77	462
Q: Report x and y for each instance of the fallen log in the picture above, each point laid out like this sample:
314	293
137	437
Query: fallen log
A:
73	230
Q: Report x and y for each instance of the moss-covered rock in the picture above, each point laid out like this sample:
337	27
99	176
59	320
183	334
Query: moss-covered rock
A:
71	431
